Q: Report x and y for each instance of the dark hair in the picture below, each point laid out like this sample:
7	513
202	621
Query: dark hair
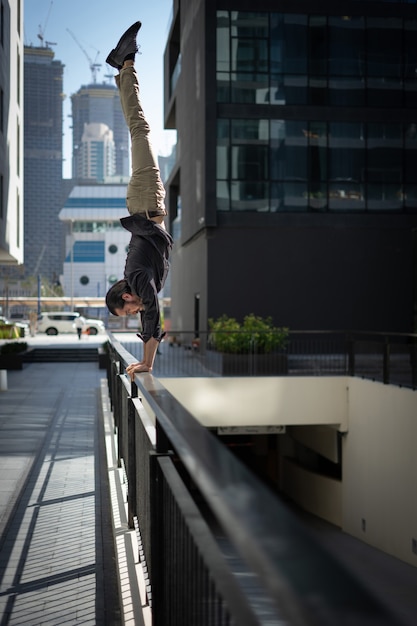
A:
114	298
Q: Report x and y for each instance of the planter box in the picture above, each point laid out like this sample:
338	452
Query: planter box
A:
103	359
273	364
12	361
8	331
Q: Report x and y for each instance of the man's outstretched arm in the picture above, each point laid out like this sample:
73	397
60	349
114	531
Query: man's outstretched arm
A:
149	352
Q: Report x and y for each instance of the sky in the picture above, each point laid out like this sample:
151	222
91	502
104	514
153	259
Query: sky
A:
97	26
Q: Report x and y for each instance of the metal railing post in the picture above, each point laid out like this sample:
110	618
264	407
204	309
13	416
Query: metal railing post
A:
157	562
413	363
131	466
119	420
386	364
351	355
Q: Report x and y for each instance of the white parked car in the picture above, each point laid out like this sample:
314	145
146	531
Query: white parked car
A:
55	322
93	327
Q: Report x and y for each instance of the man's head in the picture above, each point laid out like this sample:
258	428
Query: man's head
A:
121	301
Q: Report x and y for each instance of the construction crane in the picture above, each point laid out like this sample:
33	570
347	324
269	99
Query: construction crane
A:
94	66
41	34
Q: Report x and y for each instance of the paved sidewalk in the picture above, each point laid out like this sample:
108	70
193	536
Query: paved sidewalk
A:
57	553
60	560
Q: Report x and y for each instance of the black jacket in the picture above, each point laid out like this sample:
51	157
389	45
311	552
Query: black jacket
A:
146	268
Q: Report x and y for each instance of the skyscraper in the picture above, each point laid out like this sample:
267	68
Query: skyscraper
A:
99	103
43	163
96	153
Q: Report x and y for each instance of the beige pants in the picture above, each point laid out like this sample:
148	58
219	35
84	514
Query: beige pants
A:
145	191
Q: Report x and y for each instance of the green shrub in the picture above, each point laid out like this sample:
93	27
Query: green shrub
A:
13	347
255	334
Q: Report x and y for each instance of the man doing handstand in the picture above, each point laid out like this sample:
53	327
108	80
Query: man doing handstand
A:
147	258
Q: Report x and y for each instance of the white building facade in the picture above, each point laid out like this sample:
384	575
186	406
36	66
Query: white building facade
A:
95	242
11	133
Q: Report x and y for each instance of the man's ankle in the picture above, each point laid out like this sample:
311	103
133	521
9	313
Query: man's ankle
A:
128	63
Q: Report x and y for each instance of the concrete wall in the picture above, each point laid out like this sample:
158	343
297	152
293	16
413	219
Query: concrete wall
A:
380	468
315	493
263	401
376	500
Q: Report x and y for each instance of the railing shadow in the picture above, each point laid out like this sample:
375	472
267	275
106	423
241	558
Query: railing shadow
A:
45	561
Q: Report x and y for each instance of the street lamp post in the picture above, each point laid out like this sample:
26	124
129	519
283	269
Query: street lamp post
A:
72	264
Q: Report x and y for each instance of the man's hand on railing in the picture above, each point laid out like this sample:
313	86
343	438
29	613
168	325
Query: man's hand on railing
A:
149	352
137	368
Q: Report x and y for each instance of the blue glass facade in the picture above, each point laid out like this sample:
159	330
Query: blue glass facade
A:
86	252
322	136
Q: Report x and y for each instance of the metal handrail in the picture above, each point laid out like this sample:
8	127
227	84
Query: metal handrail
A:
390	358
301	581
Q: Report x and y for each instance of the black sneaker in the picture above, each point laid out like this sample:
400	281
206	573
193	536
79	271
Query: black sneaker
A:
127	45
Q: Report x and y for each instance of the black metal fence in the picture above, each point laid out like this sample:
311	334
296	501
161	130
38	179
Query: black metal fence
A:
385	357
219	547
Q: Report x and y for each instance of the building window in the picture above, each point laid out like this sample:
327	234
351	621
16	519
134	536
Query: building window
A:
84	280
286	59
174	54
282	165
95	227
243	165
242	56
112	248
266	162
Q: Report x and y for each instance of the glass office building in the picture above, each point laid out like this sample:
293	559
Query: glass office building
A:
296	167
43	89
